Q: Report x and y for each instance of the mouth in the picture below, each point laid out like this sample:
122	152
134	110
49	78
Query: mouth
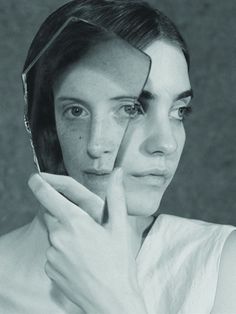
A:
155	177
98	172
97	176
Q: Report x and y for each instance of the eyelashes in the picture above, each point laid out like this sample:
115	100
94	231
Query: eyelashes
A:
125	110
185	111
128	110
76	111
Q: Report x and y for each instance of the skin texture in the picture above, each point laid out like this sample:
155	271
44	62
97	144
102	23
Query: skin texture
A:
84	112
154	140
74	229
105	276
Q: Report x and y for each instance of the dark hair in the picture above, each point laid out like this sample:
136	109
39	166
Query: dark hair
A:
134	21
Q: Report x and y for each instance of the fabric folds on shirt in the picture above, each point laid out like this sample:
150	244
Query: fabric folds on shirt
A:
178	265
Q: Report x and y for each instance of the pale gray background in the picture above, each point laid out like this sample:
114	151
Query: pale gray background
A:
204	186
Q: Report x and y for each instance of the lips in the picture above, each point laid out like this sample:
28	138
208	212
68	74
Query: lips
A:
98	172
156	176
153	172
96	178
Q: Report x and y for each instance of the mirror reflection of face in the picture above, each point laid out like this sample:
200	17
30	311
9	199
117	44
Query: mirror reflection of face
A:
91	116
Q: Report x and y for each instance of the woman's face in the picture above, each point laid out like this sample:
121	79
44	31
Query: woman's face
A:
91	118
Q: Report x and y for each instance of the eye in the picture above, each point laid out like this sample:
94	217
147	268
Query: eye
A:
76	111
181	109
180	113
131	110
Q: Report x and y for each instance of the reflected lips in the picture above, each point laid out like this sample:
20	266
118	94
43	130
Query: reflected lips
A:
156	177
98	174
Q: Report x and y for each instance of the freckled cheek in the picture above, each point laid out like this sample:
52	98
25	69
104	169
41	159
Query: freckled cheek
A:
73	143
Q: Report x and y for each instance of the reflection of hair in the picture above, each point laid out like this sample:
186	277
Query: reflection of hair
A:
134	21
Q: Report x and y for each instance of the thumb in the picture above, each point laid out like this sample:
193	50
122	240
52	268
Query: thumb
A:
115	201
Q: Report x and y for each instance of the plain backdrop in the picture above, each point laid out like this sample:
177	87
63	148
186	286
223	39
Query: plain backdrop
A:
204	186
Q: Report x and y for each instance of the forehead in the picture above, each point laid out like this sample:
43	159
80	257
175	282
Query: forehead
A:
84	82
169	70
111	65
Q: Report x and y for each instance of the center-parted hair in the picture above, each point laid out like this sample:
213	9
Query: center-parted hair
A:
134	21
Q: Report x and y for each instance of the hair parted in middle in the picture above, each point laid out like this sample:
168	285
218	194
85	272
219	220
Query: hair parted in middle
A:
134	21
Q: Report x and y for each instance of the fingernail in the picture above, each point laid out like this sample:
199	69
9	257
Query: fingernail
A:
33	181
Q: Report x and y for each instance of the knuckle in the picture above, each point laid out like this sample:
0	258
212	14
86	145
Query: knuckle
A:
54	239
50	254
63	189
48	270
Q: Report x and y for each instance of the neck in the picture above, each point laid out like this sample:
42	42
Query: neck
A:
139	228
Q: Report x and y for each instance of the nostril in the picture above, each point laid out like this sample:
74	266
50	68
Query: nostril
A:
159	144
158	153
95	150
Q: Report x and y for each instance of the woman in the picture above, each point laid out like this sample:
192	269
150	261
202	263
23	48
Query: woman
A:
81	256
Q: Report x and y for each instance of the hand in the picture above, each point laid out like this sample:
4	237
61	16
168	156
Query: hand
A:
91	263
78	194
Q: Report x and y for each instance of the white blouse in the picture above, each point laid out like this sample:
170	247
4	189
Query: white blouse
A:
178	265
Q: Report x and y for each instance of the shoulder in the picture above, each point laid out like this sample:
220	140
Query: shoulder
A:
10	241
11	264
11	252
225	301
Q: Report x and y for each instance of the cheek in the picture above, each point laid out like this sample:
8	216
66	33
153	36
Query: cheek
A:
180	137
73	142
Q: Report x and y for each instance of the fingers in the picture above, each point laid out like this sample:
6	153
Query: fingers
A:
51	221
50	266
57	205
52	225
116	201
77	193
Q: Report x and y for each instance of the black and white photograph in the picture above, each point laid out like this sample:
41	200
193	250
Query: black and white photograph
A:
118	157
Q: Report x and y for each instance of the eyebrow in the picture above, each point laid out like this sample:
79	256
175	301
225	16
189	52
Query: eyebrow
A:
124	97
75	99
150	96
185	94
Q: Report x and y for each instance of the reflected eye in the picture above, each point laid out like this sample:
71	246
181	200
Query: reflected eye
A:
131	110
76	111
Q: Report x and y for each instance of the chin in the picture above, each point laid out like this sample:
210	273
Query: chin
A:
99	191
141	204
141	200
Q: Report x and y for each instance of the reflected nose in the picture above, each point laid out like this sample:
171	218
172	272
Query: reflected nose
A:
100	140
161	139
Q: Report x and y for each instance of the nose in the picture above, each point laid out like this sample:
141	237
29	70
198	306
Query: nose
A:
161	138
100	138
